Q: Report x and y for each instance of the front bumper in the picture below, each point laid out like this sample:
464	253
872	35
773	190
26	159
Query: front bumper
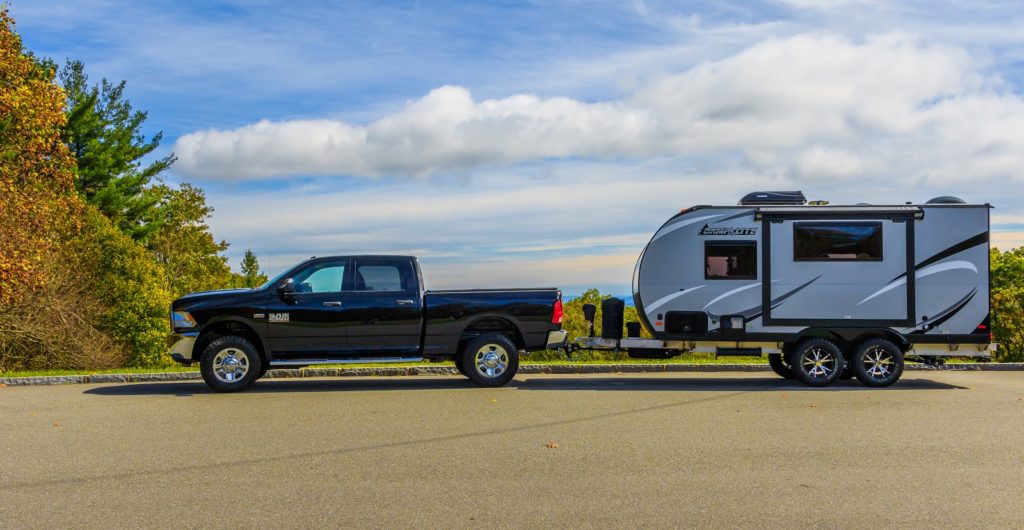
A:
557	339
182	346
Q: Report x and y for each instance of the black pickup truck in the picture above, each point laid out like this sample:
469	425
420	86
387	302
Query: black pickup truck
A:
372	308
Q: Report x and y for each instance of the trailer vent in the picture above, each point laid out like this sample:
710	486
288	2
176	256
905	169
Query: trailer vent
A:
760	198
946	199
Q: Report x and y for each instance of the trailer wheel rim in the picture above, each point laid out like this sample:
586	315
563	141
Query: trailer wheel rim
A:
818	363
230	365
879	363
491	361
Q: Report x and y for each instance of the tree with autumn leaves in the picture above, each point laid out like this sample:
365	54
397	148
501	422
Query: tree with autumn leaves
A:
38	207
92	247
74	290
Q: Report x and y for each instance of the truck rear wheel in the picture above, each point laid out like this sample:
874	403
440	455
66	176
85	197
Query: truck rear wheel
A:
816	362
779	365
230	364
877	363
490	360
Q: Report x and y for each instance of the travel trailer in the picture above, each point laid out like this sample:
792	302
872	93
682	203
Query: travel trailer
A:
824	290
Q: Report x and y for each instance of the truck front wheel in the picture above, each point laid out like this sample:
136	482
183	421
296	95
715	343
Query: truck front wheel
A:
230	364
490	360
458	365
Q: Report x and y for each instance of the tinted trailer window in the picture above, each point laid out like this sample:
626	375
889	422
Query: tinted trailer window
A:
730	260
837	241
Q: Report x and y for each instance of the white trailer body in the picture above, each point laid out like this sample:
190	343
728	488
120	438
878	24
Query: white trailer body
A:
762	277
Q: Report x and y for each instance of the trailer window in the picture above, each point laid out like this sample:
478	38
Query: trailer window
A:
730	260
837	241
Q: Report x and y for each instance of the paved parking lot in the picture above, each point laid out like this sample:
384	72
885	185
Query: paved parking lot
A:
940	449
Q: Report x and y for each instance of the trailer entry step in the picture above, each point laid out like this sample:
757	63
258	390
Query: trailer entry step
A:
737	352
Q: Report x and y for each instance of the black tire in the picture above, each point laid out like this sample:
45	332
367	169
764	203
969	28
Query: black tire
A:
780	366
490	360
458	365
263	370
230	363
816	362
877	363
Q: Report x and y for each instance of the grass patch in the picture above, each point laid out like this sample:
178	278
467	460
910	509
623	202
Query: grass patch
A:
137	370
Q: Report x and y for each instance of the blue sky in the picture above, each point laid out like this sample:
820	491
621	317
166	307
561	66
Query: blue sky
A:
541	143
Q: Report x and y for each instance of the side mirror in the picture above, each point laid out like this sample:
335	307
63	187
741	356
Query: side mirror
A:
286	288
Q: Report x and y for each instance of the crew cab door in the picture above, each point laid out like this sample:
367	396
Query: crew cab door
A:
313	318
384	307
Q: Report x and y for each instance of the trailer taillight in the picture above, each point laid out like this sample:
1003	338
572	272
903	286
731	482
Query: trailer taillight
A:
557	314
982	328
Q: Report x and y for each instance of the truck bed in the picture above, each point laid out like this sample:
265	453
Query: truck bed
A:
447	313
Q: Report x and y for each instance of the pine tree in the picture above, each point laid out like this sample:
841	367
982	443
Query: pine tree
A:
104	134
251	270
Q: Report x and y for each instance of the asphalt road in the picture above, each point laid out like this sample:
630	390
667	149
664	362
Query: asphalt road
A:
942	449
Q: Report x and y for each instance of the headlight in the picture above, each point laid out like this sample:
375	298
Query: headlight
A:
181	320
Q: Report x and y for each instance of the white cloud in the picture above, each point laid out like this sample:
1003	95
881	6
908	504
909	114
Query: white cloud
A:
821	162
813	106
444	131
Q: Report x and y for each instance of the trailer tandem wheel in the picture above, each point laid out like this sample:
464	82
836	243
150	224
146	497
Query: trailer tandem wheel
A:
779	365
816	362
877	362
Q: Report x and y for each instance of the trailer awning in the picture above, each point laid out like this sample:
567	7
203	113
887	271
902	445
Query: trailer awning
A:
841	212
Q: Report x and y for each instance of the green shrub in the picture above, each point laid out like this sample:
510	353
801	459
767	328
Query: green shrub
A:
1008	304
123	276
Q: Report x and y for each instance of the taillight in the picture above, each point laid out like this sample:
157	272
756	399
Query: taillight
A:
557	314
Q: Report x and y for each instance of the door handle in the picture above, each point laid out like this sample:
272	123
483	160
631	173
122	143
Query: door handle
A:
332	304
404	302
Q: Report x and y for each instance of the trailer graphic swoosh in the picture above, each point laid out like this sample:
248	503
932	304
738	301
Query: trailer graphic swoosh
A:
680	224
758	310
737	216
966	244
666	299
927	271
730	293
947	313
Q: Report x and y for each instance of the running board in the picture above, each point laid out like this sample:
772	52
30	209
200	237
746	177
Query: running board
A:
308	362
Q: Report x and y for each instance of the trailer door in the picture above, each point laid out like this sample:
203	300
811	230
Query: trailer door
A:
845	268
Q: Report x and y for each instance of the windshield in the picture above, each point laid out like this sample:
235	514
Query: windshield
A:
275	279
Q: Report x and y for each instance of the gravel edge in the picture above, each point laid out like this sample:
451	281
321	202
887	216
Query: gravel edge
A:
450	370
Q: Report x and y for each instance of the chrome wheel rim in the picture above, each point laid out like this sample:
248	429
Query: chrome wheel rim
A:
491	361
819	363
230	365
879	363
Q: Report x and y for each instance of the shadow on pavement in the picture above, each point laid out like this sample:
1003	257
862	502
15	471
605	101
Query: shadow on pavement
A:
524	382
697	384
341	384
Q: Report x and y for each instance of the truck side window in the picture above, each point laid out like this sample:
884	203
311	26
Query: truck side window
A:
730	260
372	275
837	241
320	278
